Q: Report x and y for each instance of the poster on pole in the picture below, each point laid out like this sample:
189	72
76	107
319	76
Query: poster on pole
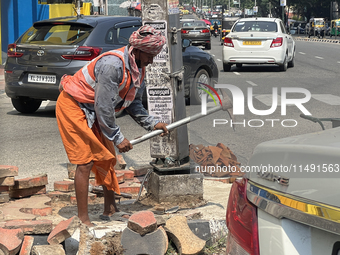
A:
282	2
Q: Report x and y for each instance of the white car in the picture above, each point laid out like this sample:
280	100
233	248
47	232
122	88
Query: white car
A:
288	202
258	41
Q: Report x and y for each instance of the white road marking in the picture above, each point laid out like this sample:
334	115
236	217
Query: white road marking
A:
318	57
236	73
219	59
267	99
327	99
302	53
338	62
251	83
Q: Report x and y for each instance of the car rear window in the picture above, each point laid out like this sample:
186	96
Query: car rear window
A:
193	24
56	34
255	26
120	35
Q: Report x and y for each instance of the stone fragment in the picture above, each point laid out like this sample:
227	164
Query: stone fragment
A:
27	245
7	181
64	186
128	175
143	170
142	222
121	164
56	249
20	193
129	187
7	171
29	227
154	243
181	235
27	208
4	197
91	198
60	196
31	182
201	228
63	230
11	240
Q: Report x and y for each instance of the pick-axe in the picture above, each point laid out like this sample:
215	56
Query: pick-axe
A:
227	105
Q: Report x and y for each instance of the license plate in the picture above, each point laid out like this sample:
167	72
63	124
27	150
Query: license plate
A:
42	78
194	32
251	42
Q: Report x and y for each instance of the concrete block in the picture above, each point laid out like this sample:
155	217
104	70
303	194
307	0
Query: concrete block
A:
11	240
71	168
20	193
7	181
64	186
120	177
129	187
175	188
7	171
128	174
142	222
91	198
30	182
27	245
29	227
56	249
60	196
143	170
63	230
155	243
187	243
121	164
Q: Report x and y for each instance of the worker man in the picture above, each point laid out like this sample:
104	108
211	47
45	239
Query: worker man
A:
86	109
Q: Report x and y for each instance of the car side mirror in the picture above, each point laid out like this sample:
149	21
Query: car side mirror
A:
186	43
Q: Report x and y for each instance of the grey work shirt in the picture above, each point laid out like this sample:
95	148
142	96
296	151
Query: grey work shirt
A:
109	74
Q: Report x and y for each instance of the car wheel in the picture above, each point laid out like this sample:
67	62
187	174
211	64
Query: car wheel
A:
208	46
238	65
226	67
292	62
284	66
202	76
25	104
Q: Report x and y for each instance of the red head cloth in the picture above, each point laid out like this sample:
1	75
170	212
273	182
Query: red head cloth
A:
147	39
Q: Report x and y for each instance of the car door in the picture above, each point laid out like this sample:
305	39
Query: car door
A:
289	40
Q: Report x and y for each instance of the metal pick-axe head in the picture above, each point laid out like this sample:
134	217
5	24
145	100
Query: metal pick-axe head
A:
227	105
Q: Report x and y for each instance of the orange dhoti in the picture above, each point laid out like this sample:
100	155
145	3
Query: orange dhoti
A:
84	144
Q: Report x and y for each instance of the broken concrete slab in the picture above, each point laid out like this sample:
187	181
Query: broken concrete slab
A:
30	226
11	240
20	193
27	245
7	171
63	230
64	186
142	222
30	182
185	240
201	228
27	208
56	249
154	243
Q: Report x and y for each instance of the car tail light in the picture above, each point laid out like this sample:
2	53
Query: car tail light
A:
205	31
228	42
277	42
241	222
184	31
84	53
12	51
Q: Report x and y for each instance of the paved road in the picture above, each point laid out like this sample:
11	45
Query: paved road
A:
32	142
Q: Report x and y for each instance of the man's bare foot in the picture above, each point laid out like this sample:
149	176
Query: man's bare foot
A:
88	223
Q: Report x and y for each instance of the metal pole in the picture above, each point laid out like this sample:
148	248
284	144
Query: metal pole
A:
175	125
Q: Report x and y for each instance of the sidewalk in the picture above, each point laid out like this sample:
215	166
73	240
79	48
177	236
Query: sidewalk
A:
2	79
